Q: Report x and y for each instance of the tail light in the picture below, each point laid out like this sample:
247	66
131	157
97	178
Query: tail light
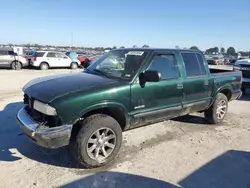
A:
25	56
34	58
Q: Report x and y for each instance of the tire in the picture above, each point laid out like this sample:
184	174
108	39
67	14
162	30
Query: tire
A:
86	64
44	66
73	65
80	144
211	114
16	65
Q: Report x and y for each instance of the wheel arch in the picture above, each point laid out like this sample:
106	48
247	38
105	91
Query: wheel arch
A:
74	62
226	90
44	62
116	111
16	61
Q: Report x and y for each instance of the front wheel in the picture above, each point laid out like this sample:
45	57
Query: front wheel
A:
44	66
98	141
16	65
216	113
73	65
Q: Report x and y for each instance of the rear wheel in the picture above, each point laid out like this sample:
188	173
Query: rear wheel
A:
44	66
73	65
16	65
216	113
97	142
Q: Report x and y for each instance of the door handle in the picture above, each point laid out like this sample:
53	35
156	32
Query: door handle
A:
206	82
179	86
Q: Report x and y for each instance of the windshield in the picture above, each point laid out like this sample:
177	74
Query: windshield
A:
122	64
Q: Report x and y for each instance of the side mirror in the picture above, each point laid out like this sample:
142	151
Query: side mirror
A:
149	76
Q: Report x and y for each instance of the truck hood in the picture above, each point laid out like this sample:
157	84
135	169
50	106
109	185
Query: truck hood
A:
48	88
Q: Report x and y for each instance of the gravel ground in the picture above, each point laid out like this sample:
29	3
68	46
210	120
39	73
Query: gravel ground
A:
184	152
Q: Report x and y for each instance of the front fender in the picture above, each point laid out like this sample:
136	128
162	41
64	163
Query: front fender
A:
99	105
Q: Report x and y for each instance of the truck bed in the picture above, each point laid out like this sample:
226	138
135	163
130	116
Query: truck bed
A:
228	78
220	71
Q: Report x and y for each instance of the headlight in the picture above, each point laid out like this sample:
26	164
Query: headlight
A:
44	108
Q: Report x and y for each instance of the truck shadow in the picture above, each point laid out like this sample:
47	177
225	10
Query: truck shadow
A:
229	170
12	140
119	180
245	97
191	119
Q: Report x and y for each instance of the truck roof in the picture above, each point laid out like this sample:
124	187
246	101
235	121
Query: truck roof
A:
158	49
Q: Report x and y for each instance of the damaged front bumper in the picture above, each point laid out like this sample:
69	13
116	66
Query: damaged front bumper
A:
54	137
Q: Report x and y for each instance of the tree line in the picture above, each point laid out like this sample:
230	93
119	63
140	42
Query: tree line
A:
215	50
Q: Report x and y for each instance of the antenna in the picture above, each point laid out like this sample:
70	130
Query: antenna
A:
72	39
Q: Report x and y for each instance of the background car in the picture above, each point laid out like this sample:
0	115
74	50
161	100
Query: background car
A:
90	60
47	59
244	66
73	57
9	59
215	61
30	55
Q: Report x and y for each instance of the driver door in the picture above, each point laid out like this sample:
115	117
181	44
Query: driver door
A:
158	100
52	59
63	60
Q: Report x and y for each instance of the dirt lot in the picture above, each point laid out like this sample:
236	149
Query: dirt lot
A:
184	152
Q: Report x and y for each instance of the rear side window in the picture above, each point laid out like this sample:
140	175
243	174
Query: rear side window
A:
3	52
40	54
59	55
194	66
201	63
50	54
166	65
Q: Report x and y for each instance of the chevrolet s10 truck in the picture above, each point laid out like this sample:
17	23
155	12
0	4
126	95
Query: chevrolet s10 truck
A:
124	89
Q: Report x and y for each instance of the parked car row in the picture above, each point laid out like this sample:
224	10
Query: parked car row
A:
9	59
43	59
86	59
220	60
49	59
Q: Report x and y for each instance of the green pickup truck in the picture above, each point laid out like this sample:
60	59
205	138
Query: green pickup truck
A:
124	89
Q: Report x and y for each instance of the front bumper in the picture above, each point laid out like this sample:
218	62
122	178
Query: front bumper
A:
47	137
